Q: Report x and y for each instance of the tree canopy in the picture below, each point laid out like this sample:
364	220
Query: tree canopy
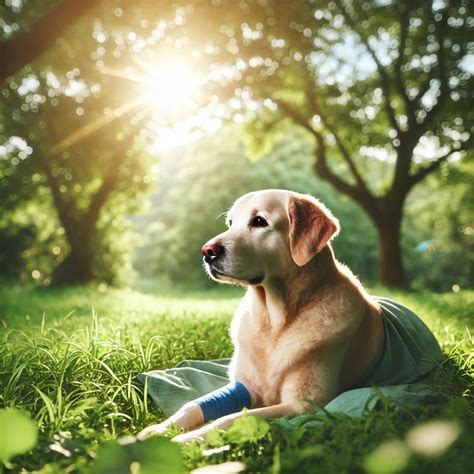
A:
92	91
369	81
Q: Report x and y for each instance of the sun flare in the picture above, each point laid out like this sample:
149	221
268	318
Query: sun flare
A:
169	89
170	85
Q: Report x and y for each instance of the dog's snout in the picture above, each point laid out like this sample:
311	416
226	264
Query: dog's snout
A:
212	250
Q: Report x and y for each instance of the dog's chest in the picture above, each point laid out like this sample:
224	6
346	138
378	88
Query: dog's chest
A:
266	355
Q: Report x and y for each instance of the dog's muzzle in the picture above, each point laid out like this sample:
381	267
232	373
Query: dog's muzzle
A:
212	251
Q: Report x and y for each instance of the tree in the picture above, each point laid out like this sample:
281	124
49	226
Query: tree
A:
177	224
23	48
81	181
369	81
381	87
70	135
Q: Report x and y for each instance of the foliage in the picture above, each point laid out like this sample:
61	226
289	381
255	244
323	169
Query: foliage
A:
72	142
368	81
439	231
249	429
382	90
154	455
15	240
33	242
18	434
75	375
198	183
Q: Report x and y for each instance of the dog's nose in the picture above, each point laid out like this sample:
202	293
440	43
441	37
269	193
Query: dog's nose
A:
211	250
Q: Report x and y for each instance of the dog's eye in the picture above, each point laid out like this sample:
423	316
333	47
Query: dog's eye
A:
230	223
258	221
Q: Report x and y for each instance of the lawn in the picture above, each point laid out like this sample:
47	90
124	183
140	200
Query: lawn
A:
70	356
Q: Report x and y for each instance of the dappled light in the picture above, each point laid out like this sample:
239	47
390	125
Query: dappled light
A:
127	132
433	438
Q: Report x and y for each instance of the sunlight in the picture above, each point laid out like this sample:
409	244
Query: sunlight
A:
170	84
166	89
167	85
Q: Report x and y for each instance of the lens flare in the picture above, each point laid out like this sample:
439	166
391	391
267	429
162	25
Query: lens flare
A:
170	85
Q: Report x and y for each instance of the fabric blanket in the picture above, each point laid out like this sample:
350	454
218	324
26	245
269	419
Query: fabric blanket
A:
409	353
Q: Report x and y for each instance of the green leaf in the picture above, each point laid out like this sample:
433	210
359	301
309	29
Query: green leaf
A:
18	433
215	438
390	457
149	457
83	405
247	428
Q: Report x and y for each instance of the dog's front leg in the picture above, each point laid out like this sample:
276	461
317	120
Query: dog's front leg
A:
225	422
215	405
189	416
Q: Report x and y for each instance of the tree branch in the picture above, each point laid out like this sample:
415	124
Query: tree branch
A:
423	90
385	81
402	40
403	17
365	199
422	173
343	150
23	48
110	178
323	170
444	89
294	115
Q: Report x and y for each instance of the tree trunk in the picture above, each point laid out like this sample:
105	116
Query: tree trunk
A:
390	253
77	267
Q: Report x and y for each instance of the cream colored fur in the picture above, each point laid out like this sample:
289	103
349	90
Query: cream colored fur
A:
304	333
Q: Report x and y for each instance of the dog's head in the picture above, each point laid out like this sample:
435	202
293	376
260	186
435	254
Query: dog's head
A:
268	233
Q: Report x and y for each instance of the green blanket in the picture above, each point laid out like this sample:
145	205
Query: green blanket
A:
409	353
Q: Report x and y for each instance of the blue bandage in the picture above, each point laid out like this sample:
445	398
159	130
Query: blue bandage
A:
224	401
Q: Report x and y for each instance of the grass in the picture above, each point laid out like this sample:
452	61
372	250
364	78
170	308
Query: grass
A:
69	358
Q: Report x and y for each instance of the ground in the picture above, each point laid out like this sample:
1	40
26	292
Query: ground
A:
69	358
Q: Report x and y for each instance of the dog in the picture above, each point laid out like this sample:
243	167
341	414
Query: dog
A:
306	329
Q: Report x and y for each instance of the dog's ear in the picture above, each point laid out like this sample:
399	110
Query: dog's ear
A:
311	227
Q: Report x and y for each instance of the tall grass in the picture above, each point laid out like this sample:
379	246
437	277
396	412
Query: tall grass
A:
70	358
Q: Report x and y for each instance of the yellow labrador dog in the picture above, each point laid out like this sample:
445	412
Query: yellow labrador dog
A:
306	330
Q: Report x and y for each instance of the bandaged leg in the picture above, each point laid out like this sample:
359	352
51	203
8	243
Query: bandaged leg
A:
226	400
229	399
